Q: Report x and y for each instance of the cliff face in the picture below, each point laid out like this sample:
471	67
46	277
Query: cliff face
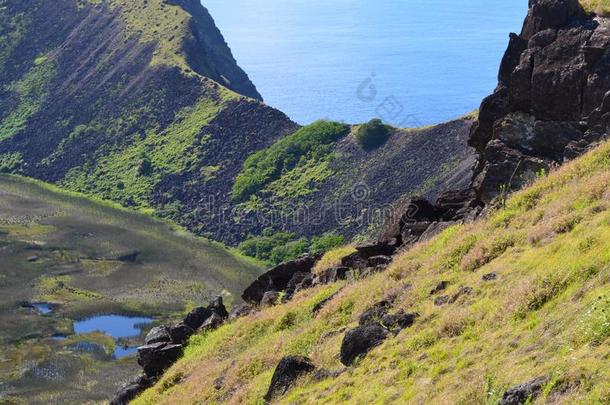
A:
552	98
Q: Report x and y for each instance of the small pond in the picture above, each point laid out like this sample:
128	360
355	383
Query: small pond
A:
117	326
42	307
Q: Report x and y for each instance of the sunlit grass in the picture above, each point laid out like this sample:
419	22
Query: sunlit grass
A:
546	314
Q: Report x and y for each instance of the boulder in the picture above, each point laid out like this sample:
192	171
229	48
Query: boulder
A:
441	286
218	308
332	275
407	211
157	357
399	321
524	393
489	277
380	260
241	310
288	370
213	322
131	390
375	313
359	341
270	298
158	334
180	333
197	317
277	278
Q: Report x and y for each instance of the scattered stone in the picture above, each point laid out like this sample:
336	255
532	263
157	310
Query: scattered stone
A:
461	292
441	286
32	259
442	300
288	370
490	277
359	341
523	393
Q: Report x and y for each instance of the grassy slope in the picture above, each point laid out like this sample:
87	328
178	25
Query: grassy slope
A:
546	314
600	7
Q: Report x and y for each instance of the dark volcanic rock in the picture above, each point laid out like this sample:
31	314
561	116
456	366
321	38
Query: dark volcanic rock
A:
157	357
213	322
158	334
180	333
128	392
277	278
218	307
489	277
359	341
197	317
399	321
441	286
520	394
332	275
288	370
549	103
270	298
240	310
379	261
375	313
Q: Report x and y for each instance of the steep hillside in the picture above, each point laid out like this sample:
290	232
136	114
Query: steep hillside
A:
141	102
81	258
520	297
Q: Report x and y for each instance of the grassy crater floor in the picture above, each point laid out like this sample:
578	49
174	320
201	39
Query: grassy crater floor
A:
84	258
546	314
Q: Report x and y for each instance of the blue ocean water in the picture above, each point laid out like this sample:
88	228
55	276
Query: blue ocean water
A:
409	62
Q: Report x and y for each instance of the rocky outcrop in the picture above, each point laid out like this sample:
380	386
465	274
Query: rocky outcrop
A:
552	98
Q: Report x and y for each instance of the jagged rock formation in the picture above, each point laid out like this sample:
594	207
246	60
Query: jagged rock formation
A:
552	98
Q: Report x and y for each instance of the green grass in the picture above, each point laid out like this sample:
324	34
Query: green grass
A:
32	92
546	314
599	7
120	171
301	151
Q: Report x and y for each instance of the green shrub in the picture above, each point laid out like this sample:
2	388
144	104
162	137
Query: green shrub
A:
373	134
311	143
11	163
275	248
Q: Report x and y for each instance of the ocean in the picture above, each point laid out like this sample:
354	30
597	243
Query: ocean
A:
408	62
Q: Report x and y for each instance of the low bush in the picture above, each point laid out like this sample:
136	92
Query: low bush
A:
373	134
311	143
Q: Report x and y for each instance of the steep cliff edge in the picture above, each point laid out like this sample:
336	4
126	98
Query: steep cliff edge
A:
552	99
